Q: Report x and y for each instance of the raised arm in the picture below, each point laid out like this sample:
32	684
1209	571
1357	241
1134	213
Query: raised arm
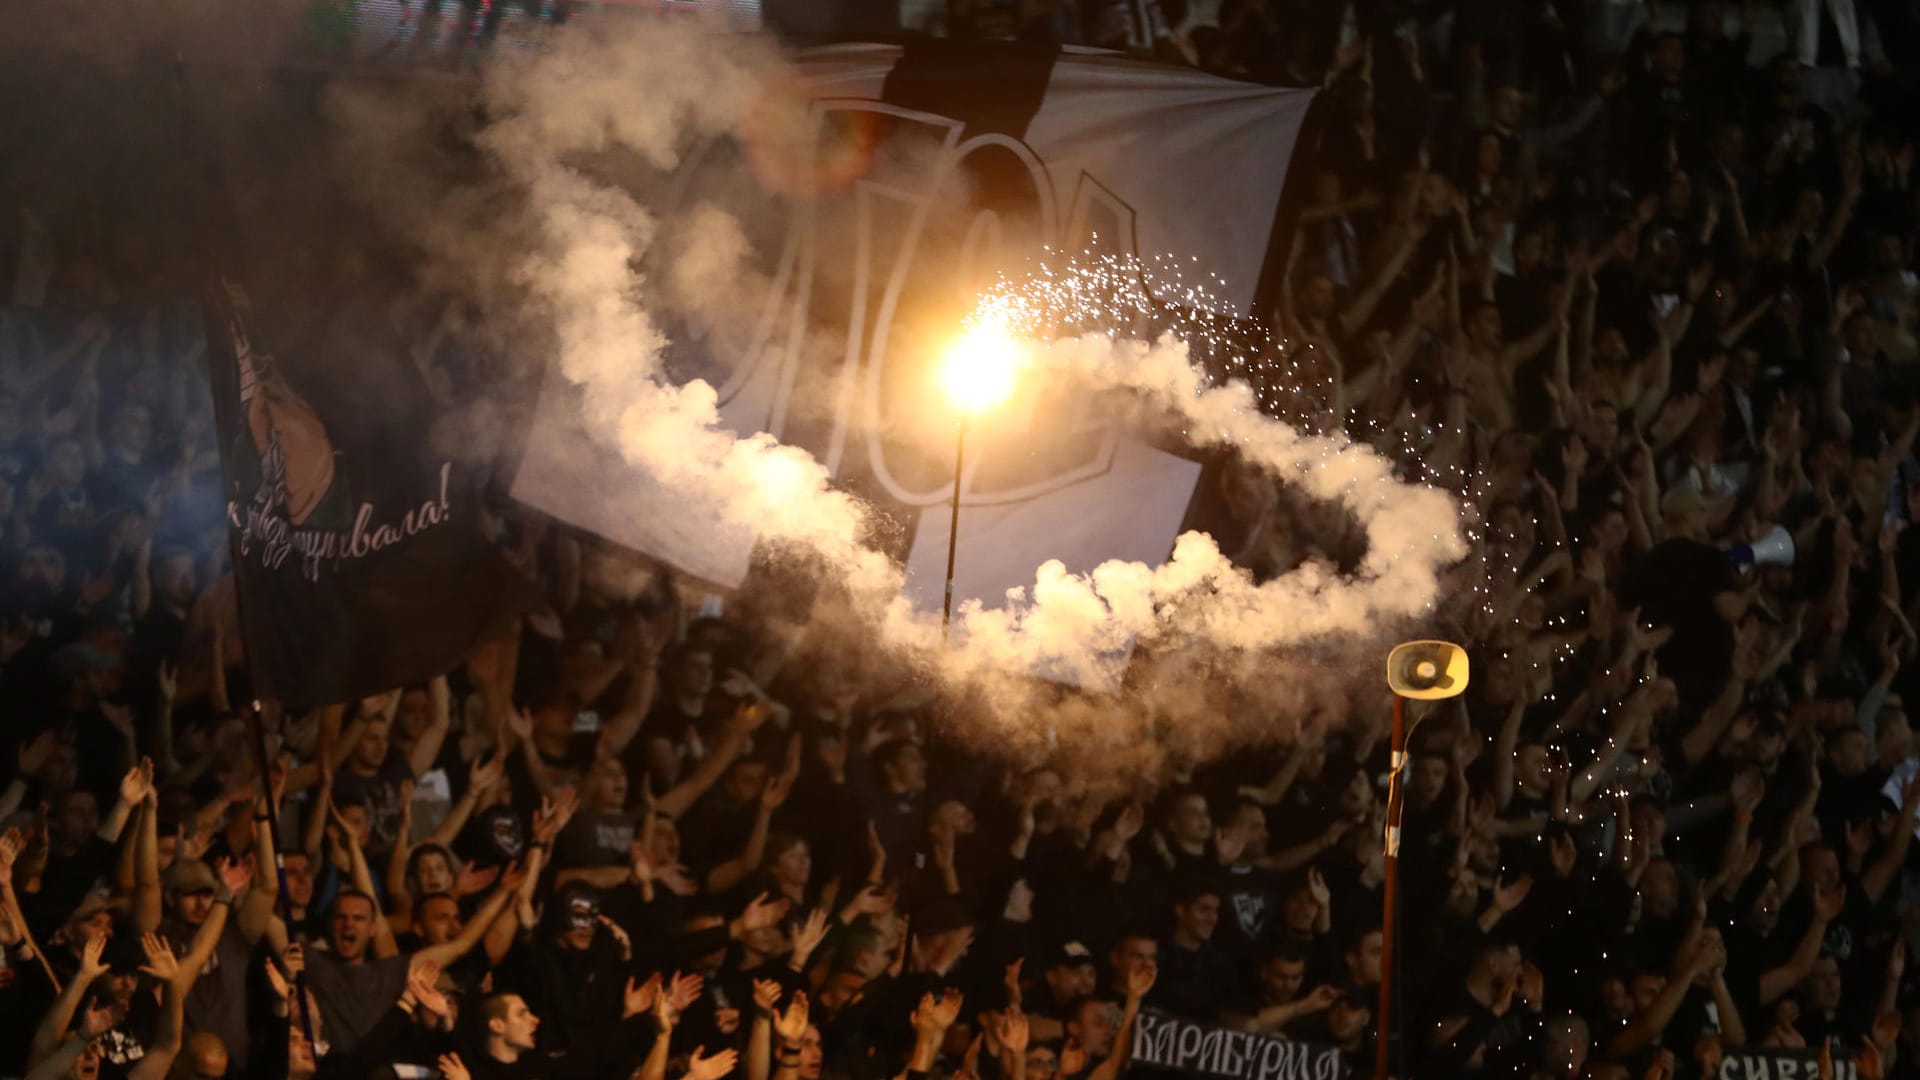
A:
173	997
1650	1023
1503	750
53	1026
1526	348
134	787
234	878
1660	359
643	677
426	748
384	944
1356	313
1139	981
398	898
708	772
766	998
60	1064
737	869
476	927
483	776
1706	733
146	872
547	823
1739	327
1778	981
319	810
1893	854
1823	248
254	911
520	725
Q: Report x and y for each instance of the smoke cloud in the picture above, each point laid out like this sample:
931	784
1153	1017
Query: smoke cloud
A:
1226	659
1082	625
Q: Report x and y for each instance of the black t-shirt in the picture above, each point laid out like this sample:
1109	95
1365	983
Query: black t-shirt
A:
1194	983
1674	585
595	839
124	1044
217	1000
380	794
566	769
1249	904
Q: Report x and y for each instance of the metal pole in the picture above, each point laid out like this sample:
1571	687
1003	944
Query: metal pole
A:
279	851
953	527
1389	884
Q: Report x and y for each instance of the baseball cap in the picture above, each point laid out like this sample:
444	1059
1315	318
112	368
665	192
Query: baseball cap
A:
1071	954
93	904
191	876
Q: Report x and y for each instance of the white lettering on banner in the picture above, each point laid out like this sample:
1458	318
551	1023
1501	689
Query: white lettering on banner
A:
269	536
1189	1041
1162	1041
1775	1063
1272	1056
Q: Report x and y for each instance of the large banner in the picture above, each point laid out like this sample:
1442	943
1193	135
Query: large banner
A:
934	167
1780	1063
1168	1042
358	556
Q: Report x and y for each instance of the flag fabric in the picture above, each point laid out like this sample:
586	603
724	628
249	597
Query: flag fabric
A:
357	554
933	167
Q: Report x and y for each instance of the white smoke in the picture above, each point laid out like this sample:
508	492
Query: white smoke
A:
592	95
1082	625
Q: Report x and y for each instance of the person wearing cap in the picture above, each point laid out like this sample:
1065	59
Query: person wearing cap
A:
201	921
1069	976
93	918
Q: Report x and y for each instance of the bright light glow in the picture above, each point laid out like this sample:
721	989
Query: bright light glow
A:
981	367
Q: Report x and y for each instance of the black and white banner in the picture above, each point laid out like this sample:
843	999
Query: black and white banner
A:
933	167
1780	1063
357	551
1168	1042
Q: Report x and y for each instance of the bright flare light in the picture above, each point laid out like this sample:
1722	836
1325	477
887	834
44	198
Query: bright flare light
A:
980	368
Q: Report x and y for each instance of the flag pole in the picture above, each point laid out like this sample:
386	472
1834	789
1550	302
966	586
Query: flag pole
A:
285	901
953	527
215	284
1389	887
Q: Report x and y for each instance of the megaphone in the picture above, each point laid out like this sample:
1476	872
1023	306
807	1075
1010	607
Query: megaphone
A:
1773	549
1427	670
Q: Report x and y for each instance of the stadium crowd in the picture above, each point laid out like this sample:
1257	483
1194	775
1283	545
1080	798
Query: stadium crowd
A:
1643	277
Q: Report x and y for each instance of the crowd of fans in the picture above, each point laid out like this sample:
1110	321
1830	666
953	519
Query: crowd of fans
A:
1646	284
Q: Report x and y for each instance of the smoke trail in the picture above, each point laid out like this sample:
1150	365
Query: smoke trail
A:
1082	624
579	240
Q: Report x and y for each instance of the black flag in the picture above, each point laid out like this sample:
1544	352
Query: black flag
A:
357	552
